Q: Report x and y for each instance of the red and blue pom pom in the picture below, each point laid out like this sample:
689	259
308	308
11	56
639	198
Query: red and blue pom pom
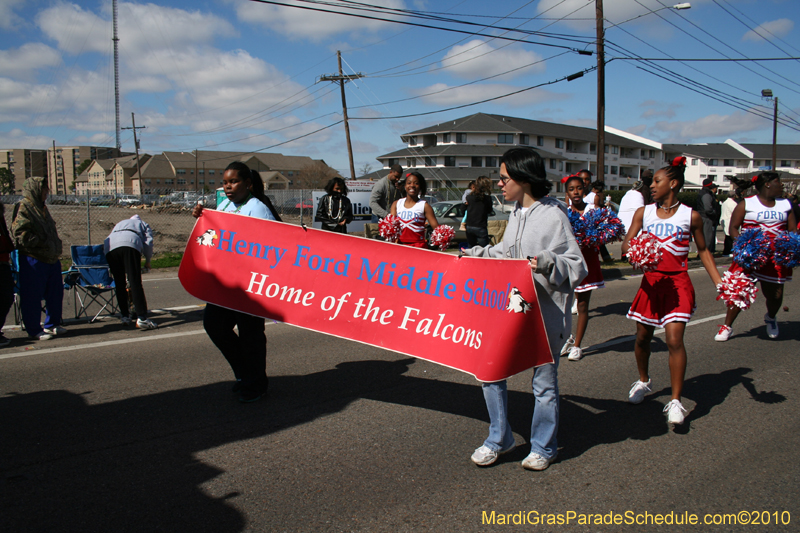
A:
752	249
389	228
442	236
737	290
596	227
644	252
787	249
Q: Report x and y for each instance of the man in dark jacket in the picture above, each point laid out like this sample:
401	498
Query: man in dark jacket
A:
384	193
710	210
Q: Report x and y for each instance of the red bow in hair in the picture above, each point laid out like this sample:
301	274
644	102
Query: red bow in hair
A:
407	175
679	162
566	178
754	178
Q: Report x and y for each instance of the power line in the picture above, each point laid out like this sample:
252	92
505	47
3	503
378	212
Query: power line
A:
428	26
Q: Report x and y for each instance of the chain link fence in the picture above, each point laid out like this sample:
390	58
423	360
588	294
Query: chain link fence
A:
89	219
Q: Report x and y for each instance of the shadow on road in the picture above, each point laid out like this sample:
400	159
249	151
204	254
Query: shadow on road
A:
131	464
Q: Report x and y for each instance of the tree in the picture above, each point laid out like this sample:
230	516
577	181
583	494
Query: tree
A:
314	176
364	169
7	181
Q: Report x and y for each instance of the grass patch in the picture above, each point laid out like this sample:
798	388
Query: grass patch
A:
166	260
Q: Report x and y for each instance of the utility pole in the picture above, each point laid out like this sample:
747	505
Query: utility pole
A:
55	169
775	138
116	71
601	91
136	147
341	79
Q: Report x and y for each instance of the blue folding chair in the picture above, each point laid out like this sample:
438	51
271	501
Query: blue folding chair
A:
90	280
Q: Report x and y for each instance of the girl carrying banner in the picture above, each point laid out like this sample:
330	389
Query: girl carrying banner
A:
538	229
247	351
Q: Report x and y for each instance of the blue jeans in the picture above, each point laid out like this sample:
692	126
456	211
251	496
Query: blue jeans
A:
40	281
544	426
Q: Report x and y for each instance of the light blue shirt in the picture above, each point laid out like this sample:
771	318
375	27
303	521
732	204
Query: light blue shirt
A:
253	207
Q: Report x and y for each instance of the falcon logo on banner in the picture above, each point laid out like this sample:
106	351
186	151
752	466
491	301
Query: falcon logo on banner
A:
454	311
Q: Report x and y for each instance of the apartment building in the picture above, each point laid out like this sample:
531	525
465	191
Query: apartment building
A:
23	163
108	176
63	162
453	153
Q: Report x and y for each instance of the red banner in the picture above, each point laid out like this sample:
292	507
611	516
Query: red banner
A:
480	316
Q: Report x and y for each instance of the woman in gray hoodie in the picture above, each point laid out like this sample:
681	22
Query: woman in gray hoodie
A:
538	229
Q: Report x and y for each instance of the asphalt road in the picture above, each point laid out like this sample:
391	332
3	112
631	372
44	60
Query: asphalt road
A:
112	429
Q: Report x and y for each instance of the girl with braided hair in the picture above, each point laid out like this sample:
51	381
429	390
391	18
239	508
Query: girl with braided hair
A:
666	297
771	213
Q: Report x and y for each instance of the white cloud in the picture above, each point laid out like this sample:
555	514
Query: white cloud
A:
22	62
9	19
707	127
312	25
141	28
655	108
769	30
480	59
580	14
17	138
475	93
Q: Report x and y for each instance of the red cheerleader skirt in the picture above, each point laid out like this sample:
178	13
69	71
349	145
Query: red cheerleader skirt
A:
594	280
770	272
663	297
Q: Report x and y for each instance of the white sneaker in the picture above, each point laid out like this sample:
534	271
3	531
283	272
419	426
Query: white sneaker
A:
568	345
126	321
143	323
534	461
772	326
575	306
638	390
42	336
724	333
675	412
484	456
575	354
58	330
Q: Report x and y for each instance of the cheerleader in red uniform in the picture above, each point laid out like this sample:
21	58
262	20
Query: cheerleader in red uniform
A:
666	297
583	293
413	212
773	214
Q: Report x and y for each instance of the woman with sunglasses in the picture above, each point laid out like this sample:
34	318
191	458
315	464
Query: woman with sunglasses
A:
538	229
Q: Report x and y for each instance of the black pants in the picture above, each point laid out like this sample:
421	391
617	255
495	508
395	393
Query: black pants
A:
477	236
727	247
246	352
126	262
6	292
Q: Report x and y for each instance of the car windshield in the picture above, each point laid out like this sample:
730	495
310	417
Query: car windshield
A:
439	209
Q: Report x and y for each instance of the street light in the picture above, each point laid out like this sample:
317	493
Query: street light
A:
767	93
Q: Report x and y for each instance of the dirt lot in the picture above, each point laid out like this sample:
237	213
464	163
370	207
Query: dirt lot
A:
171	224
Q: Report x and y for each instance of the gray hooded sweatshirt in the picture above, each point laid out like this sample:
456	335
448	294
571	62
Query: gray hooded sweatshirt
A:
544	232
134	233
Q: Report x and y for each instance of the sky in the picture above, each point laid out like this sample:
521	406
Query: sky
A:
243	75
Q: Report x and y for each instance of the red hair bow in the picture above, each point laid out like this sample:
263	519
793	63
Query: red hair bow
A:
408	174
754	178
679	162
566	178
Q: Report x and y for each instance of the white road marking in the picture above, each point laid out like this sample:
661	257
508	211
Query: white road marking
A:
34	351
658	331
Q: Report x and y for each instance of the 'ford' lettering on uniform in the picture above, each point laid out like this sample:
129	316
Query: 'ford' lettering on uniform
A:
412	222
771	221
673	233
667	294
